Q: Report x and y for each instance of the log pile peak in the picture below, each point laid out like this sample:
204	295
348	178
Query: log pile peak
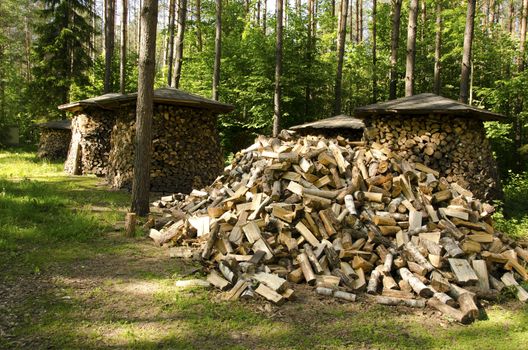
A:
347	219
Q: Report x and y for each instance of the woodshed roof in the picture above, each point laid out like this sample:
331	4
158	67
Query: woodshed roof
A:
426	104
166	95
338	122
57	124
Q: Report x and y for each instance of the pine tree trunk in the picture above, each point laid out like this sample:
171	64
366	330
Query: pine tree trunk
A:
351	20
360	20
522	36
466	54
309	56
27	36
438	49
357	21
511	16
94	33
395	36
343	10
218	50
124	36
278	71
518	127
182	15
374	52
139	26
264	16
144	109
199	25
109	43
411	48
172	18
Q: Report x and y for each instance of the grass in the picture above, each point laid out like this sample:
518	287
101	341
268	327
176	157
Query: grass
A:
70	281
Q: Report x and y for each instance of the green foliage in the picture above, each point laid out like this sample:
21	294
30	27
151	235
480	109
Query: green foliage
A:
61	53
513	216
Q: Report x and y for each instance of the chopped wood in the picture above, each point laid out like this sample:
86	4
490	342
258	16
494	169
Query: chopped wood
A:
463	272
269	294
346	217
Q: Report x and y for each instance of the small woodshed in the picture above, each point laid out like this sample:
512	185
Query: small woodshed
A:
444	134
55	138
341	125
186	150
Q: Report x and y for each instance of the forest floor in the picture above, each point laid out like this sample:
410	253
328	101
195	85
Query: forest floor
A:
70	280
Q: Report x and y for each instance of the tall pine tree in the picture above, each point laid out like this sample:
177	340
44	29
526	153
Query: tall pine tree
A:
62	52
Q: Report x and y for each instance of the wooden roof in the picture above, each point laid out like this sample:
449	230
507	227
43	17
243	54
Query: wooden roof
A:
426	104
57	124
338	122
166	95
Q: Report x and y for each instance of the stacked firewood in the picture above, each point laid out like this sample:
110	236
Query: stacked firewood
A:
186	150
346	219
53	143
456	147
90	145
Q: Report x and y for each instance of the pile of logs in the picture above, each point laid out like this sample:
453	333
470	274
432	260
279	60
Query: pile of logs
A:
186	150
90	143
456	147
348	220
53	143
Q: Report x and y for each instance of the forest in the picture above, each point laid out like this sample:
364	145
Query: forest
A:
336	56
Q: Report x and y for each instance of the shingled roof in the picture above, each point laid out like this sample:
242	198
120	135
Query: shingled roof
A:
338	122
426	104
57	124
166	95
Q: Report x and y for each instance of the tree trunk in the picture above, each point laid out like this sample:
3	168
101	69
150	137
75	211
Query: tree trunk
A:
278	72
94	33
374	59
340	55
124	35
172	18
144	109
27	36
522	41
351	20
511	16
466	55
438	49
139	26
492	12
199	25
309	55
361	20
411	48
109	43
218	49
182	14
357	21
395	36
258	13
264	15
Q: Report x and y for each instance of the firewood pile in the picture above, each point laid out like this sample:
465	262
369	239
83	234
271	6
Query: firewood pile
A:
456	147
186	151
90	145
53	143
347	219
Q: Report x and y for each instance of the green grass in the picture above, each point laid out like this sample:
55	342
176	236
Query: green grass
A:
72	285
41	208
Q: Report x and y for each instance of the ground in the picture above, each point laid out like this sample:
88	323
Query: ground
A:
70	280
